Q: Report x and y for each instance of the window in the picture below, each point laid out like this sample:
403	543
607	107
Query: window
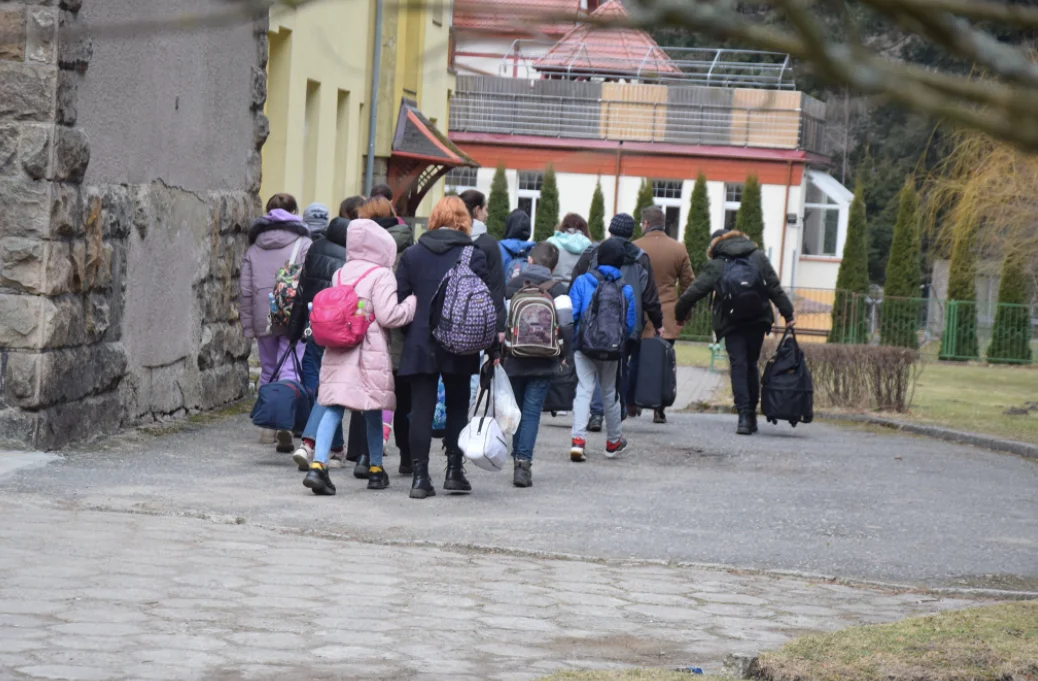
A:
530	184
460	179
666	189
529	181
732	201
821	222
668	197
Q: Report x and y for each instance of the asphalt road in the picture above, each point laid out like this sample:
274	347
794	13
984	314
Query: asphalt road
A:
823	499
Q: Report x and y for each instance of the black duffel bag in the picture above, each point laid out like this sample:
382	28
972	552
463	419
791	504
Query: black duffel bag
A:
787	393
283	404
563	388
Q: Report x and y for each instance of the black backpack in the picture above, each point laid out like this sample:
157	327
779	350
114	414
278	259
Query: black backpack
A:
632	275
603	328
787	392
740	290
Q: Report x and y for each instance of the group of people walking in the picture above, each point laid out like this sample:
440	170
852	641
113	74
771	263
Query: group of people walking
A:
389	380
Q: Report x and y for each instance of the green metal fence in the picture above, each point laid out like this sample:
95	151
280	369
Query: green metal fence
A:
949	330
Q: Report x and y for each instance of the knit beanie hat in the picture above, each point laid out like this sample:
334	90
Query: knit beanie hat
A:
622	225
611	252
316	218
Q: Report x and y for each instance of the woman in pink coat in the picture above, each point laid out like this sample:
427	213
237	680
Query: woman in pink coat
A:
361	378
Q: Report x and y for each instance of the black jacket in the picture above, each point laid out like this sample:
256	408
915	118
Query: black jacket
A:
537	366
492	252
733	244
323	260
420	271
650	298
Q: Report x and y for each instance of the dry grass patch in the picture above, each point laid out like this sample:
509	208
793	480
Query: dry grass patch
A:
994	643
630	675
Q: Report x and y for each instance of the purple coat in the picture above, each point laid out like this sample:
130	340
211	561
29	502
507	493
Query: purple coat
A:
271	240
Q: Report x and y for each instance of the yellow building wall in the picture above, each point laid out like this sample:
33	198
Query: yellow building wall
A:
318	80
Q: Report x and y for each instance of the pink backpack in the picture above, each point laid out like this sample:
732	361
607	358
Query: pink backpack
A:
338	319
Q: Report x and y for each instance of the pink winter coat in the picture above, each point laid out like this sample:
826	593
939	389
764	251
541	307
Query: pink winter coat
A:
361	378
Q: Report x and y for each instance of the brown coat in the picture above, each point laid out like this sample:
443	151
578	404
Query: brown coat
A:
671	268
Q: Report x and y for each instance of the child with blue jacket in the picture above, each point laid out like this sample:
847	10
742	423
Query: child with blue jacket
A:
610	259
516	246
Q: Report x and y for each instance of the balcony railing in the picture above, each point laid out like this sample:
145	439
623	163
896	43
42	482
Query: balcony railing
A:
638	112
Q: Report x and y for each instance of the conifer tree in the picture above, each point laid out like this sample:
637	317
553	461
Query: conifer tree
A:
901	305
697	240
645	199
1011	335
750	218
547	207
596	216
497	204
849	316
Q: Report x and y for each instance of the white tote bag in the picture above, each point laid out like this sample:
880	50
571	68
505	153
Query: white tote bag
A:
482	440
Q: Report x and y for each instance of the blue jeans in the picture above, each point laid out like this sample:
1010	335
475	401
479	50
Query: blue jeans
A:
311	365
332	419
312	356
530	393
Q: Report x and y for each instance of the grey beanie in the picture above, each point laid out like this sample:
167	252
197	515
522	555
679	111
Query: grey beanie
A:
316	217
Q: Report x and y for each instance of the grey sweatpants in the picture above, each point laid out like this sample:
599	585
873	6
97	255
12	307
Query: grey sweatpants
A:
587	371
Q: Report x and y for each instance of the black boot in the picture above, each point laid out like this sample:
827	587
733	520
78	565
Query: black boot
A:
360	471
594	424
745	423
523	477
421	485
378	478
405	464
455	480
318	481
753	421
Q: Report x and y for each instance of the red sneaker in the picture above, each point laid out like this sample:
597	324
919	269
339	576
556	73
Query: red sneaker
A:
615	449
576	451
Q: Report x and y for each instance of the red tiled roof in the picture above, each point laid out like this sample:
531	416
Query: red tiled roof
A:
587	48
524	17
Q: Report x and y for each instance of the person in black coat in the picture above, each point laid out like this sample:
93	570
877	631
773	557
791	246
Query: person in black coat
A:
323	260
421	269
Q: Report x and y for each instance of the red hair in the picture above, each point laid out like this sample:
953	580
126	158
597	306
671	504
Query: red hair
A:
451	213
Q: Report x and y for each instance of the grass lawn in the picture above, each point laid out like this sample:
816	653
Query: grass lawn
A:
994	643
696	355
974	397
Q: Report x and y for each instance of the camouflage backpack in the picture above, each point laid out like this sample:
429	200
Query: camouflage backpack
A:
286	283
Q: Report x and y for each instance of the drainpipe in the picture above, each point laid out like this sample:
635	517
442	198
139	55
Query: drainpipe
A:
376	67
785	211
616	183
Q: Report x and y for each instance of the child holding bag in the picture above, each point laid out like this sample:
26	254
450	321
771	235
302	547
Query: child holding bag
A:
360	378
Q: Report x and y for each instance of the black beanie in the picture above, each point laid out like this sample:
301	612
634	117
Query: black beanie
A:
622	224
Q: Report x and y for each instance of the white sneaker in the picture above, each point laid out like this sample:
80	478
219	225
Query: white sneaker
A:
285	442
304	456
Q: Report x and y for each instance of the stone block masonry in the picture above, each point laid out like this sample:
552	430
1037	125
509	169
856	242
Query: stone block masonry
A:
118	299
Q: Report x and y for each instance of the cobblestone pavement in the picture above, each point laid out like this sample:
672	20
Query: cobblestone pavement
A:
116	595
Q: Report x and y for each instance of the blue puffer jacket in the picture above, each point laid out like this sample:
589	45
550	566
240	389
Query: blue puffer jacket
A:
516	244
583	287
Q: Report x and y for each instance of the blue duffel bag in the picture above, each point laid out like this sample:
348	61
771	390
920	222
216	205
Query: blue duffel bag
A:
283	404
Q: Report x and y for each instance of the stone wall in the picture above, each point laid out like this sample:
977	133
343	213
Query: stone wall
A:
118	301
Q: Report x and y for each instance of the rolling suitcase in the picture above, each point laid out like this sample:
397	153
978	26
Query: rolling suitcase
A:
657	383
787	392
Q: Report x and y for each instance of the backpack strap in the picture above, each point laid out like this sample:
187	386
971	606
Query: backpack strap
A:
466	256
361	277
295	251
547	286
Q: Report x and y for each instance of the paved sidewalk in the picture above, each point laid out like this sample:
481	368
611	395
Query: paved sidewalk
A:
112	595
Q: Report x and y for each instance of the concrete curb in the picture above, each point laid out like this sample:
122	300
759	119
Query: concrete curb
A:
997	444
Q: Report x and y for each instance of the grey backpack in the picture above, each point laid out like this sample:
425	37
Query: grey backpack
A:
602	332
464	318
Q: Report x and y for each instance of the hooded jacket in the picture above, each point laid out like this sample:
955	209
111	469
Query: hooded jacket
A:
271	240
361	378
323	260
734	244
647	295
516	245
420	271
672	270
571	246
583	288
316	219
